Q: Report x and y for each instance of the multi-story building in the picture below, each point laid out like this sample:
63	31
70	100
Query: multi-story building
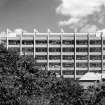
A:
69	54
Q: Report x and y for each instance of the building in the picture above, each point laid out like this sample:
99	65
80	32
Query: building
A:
69	54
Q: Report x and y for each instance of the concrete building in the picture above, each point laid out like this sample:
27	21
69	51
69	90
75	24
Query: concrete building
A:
69	54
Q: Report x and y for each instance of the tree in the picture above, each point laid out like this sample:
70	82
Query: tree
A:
29	85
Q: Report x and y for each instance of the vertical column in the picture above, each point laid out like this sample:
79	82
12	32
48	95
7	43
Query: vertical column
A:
21	43
75	54
7	39
88	38
34	43
61	72
0	37
101	55
48	49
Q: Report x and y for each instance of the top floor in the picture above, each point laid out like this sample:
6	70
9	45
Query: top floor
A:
22	33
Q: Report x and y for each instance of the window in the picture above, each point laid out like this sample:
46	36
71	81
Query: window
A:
14	42
81	42
95	57
103	56
104	65
54	49
27	49
68	49
14	49
41	41
81	57
43	65
54	65
95	64
68	72
95	49
54	42
81	72
82	49
82	65
54	57
65	65
103	41
95	42
68	57
41	57
68	42
41	49
27	42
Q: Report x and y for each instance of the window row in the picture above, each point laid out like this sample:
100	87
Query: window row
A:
65	49
70	57
71	72
82	65
54	42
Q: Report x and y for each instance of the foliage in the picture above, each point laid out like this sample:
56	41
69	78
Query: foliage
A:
22	82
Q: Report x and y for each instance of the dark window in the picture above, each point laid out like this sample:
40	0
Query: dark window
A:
82	65
14	42
42	64
54	49
95	49
41	41
82	49
81	57
68	72
68	49
54	57
54	65
103	56
27	49
14	49
95	42
27	42
103	41
68	65
103	48
68	42
41	57
82	42
81	72
41	49
54	42
95	64
95	57
104	65
68	57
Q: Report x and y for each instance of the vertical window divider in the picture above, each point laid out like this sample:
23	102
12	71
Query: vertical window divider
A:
75	76
61	35
88	51
34	43
7	39
21	42
48	49
101	54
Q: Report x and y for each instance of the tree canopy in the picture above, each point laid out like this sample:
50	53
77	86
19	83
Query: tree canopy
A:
23	82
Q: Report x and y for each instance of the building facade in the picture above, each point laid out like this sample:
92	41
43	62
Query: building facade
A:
69	54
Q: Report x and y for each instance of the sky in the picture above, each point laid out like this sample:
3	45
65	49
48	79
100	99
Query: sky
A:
83	15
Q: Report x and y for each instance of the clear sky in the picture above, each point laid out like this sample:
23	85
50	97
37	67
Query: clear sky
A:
86	15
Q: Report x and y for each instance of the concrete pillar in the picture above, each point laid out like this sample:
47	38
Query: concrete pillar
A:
35	31
75	54
48	49
88	38
61	71
7	39
101	54
21	43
